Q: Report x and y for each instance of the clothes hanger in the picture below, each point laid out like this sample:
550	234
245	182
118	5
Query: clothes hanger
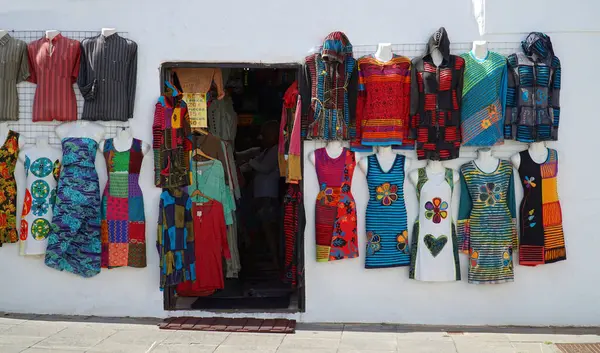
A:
197	192
199	152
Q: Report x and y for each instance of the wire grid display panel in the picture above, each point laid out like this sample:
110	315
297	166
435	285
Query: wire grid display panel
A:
413	50
25	126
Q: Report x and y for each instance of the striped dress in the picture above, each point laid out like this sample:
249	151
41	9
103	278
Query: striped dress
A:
387	231
483	100
487	222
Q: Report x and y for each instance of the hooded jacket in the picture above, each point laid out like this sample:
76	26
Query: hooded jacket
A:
436	93
533	95
328	89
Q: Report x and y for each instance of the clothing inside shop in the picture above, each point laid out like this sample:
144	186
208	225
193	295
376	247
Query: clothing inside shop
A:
244	258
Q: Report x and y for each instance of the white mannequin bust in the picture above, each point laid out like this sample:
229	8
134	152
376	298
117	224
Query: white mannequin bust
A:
480	49
437	57
3	32
386	157
51	33
4	129
41	142
384	52
432	167
334	149
107	32
123	142
485	161
81	128
537	151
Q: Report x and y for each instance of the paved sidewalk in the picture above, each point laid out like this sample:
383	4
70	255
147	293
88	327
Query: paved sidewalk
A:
54	334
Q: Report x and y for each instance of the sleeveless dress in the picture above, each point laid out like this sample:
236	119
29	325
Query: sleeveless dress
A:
42	167
335	211
387	231
434	246
74	240
9	153
487	222
123	227
542	239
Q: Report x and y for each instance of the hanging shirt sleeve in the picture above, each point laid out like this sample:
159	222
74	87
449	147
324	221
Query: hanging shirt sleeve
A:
464	214
510	198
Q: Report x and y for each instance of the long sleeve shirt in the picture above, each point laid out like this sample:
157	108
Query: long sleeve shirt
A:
14	68
108	77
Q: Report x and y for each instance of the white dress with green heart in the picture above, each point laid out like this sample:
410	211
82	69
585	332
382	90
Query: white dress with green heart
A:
434	250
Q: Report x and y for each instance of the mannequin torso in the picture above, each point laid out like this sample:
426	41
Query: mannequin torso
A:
123	142
384	52
386	157
433	167
437	57
51	33
333	148
486	162
108	31
80	128
41	143
480	49
537	151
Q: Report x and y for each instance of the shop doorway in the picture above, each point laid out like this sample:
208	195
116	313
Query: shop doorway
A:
255	91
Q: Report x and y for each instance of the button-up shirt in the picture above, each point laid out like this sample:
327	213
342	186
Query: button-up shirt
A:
54	66
108	77
14	68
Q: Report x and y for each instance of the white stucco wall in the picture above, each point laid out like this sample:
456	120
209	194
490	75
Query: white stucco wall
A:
279	31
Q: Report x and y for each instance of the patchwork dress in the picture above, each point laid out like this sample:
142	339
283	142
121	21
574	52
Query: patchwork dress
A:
542	239
42	167
387	230
487	222
335	211
123	220
434	248
9	153
74	240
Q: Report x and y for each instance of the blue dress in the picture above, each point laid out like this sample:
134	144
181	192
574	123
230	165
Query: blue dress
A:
74	239
387	230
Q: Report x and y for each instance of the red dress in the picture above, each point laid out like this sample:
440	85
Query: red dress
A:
211	245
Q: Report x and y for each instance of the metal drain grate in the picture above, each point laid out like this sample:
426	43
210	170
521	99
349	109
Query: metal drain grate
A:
579	347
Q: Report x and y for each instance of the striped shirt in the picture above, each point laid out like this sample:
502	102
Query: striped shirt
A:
108	77
14	68
54	66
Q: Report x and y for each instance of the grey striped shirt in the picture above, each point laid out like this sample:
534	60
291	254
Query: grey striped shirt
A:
14	68
108	77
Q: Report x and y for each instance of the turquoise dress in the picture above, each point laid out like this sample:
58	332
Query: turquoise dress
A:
74	239
387	230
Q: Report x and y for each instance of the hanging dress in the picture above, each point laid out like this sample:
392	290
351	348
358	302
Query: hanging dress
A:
123	220
487	222
74	240
542	240
335	211
42	167
387	231
434	249
9	153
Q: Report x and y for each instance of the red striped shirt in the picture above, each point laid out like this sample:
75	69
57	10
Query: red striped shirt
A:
54	68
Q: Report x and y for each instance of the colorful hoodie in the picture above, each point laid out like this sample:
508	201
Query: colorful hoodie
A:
532	102
288	152
328	88
435	101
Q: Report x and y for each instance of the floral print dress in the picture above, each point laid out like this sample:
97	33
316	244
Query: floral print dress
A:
9	153
386	222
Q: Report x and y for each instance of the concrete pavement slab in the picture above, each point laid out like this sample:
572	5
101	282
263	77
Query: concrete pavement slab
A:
405	346
76	337
535	348
554	338
53	350
239	349
368	342
116	347
307	350
254	340
183	348
142	337
197	337
484	347
308	344
423	336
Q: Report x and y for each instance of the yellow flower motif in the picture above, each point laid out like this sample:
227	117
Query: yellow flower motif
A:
486	123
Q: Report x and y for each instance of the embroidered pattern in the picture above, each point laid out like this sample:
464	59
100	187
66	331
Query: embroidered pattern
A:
387	193
435	245
436	210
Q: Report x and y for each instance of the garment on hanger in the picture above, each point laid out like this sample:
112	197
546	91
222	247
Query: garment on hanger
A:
74	239
42	167
293	210
108	77
533	100
123	221
436	94
290	168
175	238
434	246
328	88
214	148
171	147
383	107
196	83
54	66
210	249
487	221
542	239
9	154
14	68
335	211
386	222
483	100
